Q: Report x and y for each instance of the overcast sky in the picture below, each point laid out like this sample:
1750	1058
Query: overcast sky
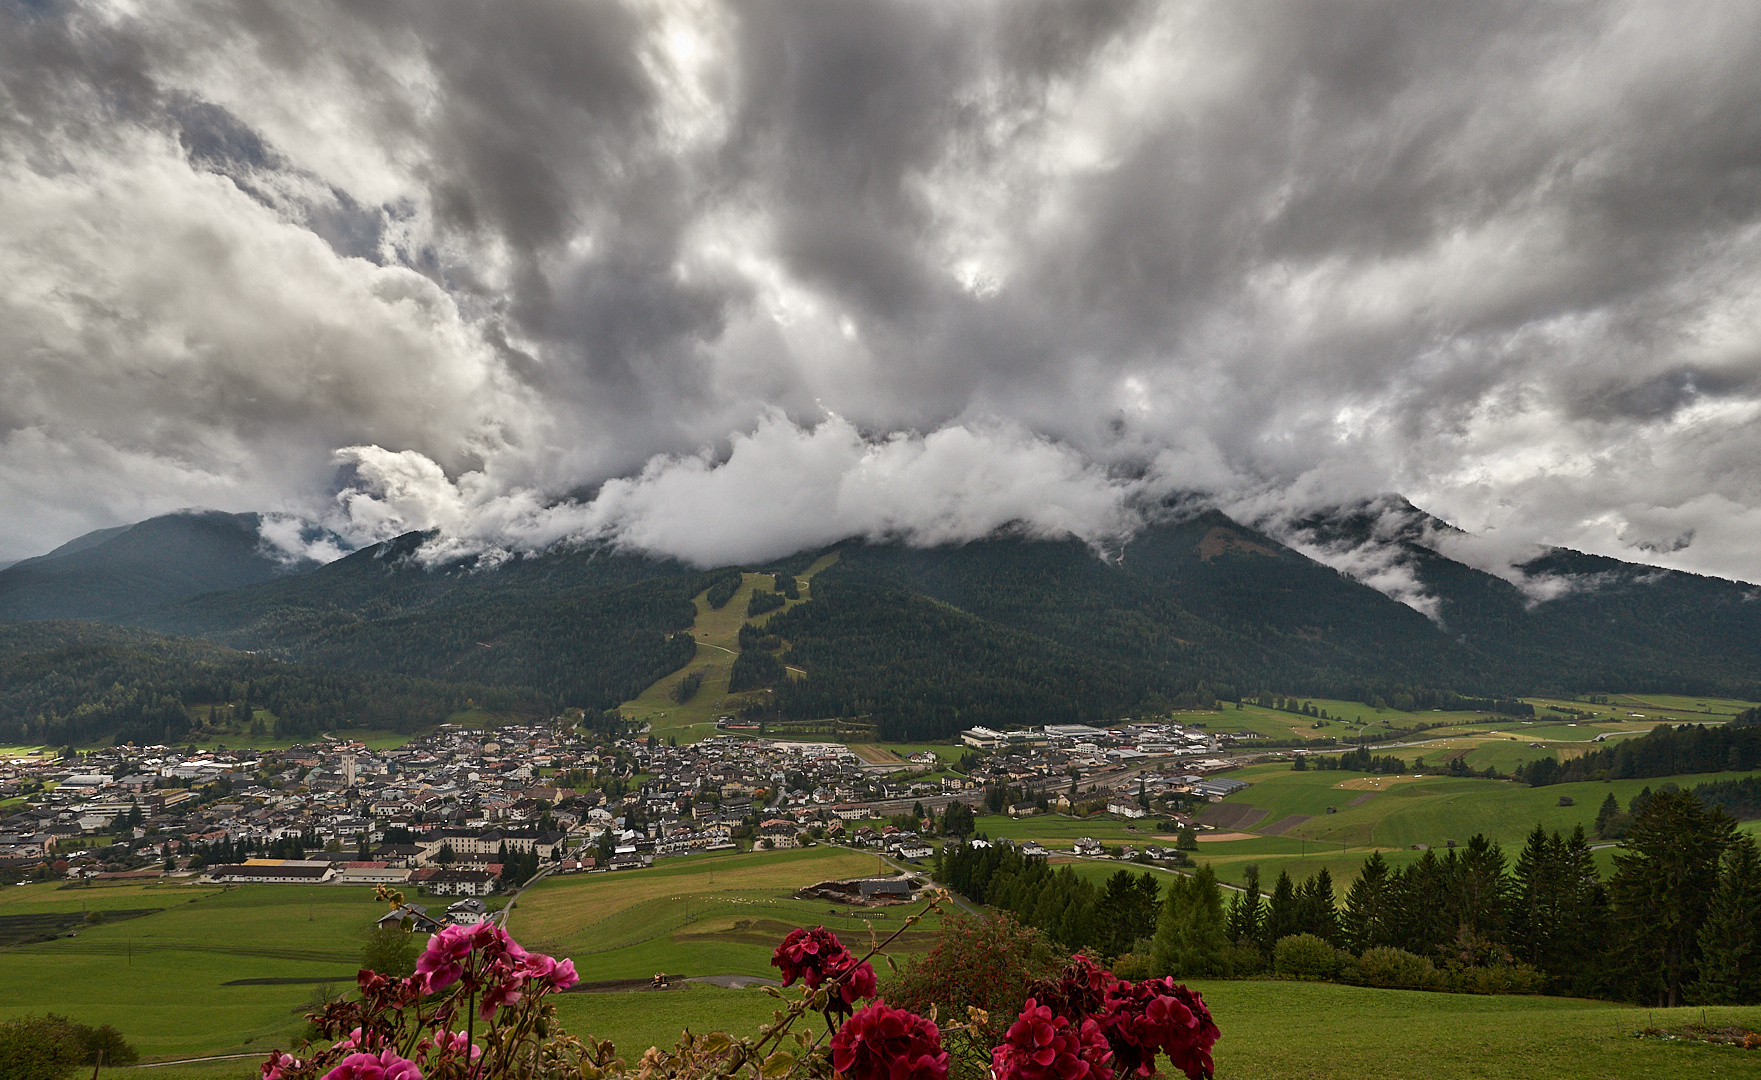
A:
724	280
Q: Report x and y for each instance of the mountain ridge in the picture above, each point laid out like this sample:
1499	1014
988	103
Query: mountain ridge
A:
1009	629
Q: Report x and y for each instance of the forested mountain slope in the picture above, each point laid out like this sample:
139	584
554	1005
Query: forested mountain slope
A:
922	642
80	682
1595	621
112	572
588	627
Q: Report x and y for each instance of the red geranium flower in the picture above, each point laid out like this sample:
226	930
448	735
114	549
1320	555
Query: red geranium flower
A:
1159	1014
1079	991
884	1043
817	956
1042	1045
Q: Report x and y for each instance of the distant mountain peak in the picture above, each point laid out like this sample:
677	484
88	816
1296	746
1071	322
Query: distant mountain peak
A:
111	572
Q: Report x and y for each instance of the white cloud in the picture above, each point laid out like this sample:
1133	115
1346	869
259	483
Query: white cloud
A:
781	487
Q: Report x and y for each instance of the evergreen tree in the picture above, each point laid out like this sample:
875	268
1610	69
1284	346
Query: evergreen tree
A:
1316	913
1479	889
1363	924
1609	810
1246	910
1662	890
1730	938
1192	934
1118	920
1282	918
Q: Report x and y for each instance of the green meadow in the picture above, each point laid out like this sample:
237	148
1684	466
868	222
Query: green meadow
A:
1271	1030
1060	831
707	915
193	971
1392	814
171	980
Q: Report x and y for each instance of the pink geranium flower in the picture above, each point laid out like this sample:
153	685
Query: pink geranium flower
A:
279	1064
443	962
385	1065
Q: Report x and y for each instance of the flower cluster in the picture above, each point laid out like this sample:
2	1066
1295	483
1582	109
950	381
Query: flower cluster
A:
1085	1025
1080	989
1043	1045
1159	1014
817	957
883	1043
487	960
402	1029
385	1065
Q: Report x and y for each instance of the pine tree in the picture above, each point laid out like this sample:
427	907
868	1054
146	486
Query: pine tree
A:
1662	890
1191	935
1316	913
1730	938
1281	913
1246	911
1536	915
1362	925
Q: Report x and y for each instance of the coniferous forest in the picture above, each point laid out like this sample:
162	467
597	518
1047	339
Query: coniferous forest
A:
921	642
1678	921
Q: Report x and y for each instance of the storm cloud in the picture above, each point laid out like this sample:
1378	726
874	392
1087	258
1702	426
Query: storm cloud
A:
724	280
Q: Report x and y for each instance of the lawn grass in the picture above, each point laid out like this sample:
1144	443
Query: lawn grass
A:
717	632
1291	1029
375	739
948	753
1432	809
702	915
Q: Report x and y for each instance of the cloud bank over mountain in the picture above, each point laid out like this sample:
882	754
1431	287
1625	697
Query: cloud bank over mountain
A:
724	279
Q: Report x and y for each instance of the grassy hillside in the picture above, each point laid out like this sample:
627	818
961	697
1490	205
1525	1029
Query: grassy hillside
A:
704	915
201	943
716	632
1393	813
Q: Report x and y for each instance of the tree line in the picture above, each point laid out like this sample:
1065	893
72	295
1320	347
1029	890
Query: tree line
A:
1663	751
1069	908
1677	922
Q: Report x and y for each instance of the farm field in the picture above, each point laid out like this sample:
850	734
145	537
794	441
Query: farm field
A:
1290	1029
706	915
168	980
373	739
711	915
1060	831
948	753
1652	707
717	632
1396	813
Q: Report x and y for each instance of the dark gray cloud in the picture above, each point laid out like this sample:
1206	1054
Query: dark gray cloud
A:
1505	259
